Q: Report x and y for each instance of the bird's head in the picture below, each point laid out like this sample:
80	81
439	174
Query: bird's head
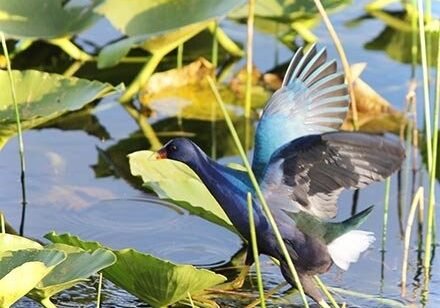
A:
180	149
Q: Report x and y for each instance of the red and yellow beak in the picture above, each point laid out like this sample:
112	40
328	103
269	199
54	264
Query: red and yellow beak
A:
161	154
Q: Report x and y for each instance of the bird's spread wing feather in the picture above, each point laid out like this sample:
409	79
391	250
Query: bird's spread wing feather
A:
312	100
309	173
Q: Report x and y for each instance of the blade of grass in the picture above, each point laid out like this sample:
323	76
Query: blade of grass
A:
432	176
255	250
98	297
258	190
191	302
144	74
326	291
418	199
344	60
20	135
180	56
249	60
2	223
427	107
385	212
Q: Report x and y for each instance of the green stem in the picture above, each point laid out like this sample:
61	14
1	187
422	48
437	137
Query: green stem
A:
249	55
142	76
72	69
98	297
2	222
428	127
145	127
258	191
190	299
71	49
432	174
47	303
180	56
255	250
385	212
225	41
326	291
20	134
214	52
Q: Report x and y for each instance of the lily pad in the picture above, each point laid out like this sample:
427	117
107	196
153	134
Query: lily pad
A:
375	113
21	270
46	19
158	282
77	267
42	97
176	182
158	25
186	93
9	242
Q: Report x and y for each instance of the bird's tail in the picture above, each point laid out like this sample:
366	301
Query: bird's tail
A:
345	244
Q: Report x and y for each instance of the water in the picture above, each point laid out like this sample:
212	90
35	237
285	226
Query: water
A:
72	189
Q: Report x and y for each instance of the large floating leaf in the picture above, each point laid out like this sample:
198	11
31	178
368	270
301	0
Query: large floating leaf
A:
42	97
287	10
157	25
175	181
77	267
45	18
158	282
9	242
186	93
375	113
21	270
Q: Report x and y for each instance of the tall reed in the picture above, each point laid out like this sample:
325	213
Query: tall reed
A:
20	134
255	250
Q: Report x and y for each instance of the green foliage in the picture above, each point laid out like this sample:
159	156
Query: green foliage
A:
158	282
175	181
21	270
45	19
78	266
157	25
42	97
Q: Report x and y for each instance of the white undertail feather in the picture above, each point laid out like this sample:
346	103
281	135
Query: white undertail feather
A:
347	248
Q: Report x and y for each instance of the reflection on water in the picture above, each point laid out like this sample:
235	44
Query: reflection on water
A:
73	187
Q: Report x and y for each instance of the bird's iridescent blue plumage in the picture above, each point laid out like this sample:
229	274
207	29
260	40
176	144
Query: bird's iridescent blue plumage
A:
312	100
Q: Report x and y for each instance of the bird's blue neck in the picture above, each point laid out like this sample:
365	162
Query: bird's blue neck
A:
229	187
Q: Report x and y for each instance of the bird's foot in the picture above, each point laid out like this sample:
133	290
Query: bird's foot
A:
237	283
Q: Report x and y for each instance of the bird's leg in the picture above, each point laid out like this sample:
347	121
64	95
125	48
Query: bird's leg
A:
238	282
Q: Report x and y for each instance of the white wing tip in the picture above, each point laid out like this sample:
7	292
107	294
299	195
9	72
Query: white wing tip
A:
347	248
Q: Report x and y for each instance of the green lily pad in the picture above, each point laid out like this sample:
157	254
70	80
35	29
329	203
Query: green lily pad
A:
175	181
158	25
45	19
288	10
158	282
42	97
21	270
77	267
9	242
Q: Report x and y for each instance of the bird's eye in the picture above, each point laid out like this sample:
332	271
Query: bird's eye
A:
173	148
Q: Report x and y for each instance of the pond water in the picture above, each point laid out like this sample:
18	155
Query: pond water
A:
72	187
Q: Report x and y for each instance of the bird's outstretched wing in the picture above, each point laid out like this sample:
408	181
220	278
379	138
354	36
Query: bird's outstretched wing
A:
312	100
309	173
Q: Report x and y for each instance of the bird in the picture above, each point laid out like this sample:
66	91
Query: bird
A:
302	163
